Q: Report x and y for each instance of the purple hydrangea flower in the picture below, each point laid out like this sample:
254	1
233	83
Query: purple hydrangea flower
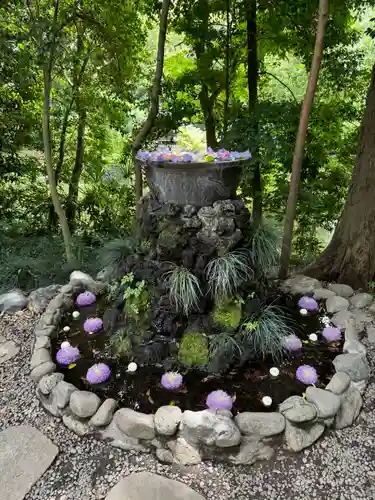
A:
187	158
218	400
308	303
331	334
292	343
92	325
97	374
171	381
307	374
67	355
85	299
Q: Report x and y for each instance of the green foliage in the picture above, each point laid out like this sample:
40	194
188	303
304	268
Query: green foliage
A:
184	289
264	242
227	313
263	335
121	345
227	273
193	349
135	295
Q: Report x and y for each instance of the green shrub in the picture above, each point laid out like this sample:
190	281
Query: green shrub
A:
136	296
193	349
264	242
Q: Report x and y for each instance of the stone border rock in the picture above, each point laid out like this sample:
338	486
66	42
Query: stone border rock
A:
189	437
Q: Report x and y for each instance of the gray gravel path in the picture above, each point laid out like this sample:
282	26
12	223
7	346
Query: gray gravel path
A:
339	467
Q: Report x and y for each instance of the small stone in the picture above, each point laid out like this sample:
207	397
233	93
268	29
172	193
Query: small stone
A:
49	382
361	300
323	293
301	285
260	424
44	331
326	402
39	357
341	290
84	404
42	342
61	394
104	414
165	456
354	347
354	365
336	303
78	427
185	453
80	278
39	298
300	414
291	402
338	383
252	451
210	428
297	438
118	439
41	370
135	424
12	301
351	404
167	420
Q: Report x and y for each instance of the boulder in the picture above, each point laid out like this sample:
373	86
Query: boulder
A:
340	289
84	404
252	451
323	293
75	425
80	278
351	404
13	301
299	437
167	420
354	347
134	424
360	386
39	298
185	453
354	365
338	383
8	350
42	342
336	303
210	428
61	394
118	439
104	414
41	370
39	357
361	300
326	402
260	424
301	285
301	413
49	382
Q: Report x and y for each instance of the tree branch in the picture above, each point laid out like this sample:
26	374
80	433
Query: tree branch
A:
282	83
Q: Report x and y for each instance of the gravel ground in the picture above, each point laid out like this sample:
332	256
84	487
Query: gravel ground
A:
339	467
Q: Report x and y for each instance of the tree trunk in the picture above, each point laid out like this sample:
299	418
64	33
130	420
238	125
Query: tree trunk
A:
252	85
47	141
71	206
209	116
350	256
155	96
227	68
301	139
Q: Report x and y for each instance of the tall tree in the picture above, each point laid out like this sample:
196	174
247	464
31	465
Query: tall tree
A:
350	255
301	139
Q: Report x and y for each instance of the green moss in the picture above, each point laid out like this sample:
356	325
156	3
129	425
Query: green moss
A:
193	349
227	314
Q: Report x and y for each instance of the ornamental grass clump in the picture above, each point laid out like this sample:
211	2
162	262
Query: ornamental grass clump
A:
225	274
264	242
184	289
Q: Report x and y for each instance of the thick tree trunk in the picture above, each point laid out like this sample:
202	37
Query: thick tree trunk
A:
155	96
252	85
286	248
227	68
350	256
72	201
209	117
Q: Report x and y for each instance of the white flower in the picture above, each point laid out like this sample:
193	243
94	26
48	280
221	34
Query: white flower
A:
267	401
75	314
132	367
66	328
65	344
313	337
303	312
274	372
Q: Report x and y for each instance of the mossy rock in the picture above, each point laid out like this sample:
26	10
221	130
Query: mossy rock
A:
227	314
193	349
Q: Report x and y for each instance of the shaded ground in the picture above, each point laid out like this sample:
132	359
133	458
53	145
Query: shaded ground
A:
339	467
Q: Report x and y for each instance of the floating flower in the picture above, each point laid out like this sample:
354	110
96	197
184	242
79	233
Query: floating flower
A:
66	328
331	334
171	381
85	299
132	367
92	325
99	373
267	400
313	337
75	314
219	400
65	344
274	372
303	312
163	154
292	343
307	374
308	303
67	355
